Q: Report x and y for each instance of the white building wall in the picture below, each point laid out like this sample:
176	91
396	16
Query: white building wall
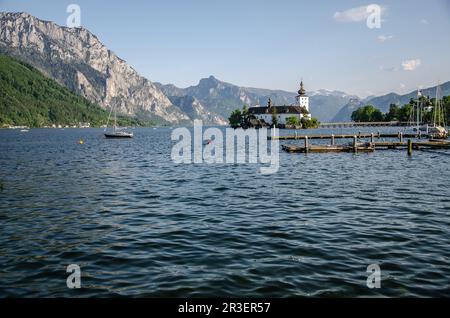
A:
304	101
282	118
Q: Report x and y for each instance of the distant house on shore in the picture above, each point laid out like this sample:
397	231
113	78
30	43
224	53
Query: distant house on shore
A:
300	109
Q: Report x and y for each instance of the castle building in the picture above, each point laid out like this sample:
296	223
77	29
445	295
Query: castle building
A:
302	99
300	109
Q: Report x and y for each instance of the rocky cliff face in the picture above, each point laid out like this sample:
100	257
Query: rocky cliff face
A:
222	98
77	59
195	110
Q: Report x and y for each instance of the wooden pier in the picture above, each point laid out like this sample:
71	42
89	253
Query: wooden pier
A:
370	146
377	135
329	148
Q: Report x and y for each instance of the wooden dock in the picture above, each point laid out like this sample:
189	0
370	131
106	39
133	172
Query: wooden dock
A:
366	142
328	148
378	135
356	147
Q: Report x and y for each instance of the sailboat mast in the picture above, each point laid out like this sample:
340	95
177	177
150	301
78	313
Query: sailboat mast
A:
417	114
441	110
418	109
115	118
435	108
437	116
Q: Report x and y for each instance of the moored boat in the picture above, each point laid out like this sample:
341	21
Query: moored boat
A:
437	130
116	132
119	134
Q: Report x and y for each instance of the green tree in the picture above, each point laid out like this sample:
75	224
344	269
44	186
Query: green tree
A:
235	118
245	120
274	117
392	115
293	121
367	114
311	123
404	113
446	105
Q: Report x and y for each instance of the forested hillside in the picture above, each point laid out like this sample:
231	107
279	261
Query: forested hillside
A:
29	98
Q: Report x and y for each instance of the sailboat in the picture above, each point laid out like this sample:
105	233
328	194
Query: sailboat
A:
117	132
437	129
417	114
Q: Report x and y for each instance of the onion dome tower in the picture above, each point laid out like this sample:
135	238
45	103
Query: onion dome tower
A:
301	91
302	98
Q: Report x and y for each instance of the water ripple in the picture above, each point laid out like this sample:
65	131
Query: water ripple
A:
139	225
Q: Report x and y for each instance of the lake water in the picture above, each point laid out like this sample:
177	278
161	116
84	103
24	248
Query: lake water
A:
140	225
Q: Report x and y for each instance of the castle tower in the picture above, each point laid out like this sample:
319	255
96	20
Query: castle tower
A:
302	98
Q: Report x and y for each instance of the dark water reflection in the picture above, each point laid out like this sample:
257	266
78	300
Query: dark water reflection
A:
139	225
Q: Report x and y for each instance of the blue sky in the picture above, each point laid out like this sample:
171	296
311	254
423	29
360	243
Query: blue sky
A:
270	44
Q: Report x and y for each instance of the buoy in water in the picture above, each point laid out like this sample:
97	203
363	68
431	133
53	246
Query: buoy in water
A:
81	141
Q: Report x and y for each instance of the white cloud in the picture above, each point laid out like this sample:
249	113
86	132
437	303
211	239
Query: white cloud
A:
354	14
384	38
411	65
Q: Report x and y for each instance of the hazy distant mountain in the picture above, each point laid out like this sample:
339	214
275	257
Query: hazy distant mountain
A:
326	106
383	102
345	112
76	58
222	98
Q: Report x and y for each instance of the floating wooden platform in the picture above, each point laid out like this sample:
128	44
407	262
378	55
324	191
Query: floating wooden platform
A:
433	143
329	148
369	146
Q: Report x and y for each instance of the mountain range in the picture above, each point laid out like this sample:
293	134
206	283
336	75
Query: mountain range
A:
78	60
383	102
222	98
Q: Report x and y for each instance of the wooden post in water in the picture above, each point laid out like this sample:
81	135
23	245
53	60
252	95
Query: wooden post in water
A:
400	136
379	134
410	147
306	144
332	139
372	138
355	144
420	134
